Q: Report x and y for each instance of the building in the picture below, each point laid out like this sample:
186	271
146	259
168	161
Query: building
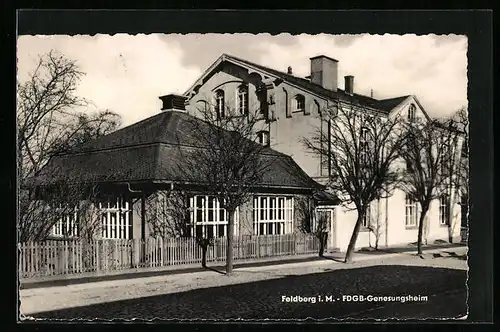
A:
143	159
292	108
149	158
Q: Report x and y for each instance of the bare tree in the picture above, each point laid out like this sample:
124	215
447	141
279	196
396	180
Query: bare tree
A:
375	226
313	224
41	208
168	214
228	160
49	122
360	149
457	163
85	128
461	179
428	153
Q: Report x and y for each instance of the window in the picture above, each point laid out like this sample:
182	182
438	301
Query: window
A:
409	167
363	146
411	113
411	212
444	210
272	215
367	217
299	103
115	216
208	219
67	223
263	137
219	103
446	160
243	99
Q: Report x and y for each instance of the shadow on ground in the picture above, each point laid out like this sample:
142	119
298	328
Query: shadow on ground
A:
410	248
268	299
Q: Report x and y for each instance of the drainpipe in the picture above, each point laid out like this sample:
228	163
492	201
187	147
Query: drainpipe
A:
143	207
143	215
132	191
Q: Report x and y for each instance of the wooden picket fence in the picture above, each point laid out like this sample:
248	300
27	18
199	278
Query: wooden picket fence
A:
69	257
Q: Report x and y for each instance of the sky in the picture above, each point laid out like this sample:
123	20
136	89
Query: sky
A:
127	73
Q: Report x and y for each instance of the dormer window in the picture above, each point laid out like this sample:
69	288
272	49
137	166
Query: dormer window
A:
299	103
219	103
263	137
411	113
242	99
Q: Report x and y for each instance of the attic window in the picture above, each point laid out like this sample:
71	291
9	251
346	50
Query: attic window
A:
411	113
263	137
243	99
299	103
219	103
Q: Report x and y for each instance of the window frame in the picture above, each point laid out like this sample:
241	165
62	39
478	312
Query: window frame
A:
264	137
273	214
115	214
411	212
446	159
67	225
219	104
412	110
297	101
444	210
242	102
364	145
205	214
409	167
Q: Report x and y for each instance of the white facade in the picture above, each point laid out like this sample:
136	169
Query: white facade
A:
294	113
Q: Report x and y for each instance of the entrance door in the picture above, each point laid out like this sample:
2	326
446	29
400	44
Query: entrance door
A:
327	214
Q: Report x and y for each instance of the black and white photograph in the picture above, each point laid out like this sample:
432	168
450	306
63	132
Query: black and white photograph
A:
242	177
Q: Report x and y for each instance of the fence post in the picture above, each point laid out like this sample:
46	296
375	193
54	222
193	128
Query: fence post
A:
257	241
97	255
135	253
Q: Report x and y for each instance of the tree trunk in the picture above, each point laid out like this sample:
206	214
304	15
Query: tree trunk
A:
354	238
449	215
421	228
323	237
229	250
204	255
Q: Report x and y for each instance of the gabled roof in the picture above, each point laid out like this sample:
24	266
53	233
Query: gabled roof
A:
154	150
384	105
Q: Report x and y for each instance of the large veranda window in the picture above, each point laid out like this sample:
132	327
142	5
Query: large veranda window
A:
272	215
112	220
67	221
208	218
115	218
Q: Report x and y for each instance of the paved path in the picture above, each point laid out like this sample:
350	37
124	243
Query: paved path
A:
254	293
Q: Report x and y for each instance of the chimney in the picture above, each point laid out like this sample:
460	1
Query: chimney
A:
173	102
289	70
324	72
349	84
